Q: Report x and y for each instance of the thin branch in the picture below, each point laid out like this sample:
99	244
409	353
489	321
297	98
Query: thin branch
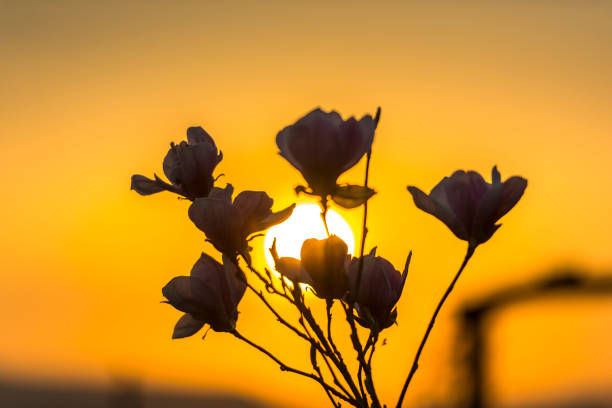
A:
415	363
349	310
313	361
336	359
361	367
324	355
324	209
369	383
364	228
329	304
285	367
296	301
276	314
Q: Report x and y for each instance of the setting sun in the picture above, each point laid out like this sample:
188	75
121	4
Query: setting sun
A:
304	223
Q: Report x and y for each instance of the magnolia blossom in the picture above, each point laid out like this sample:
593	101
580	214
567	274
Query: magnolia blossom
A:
470	206
209	296
189	166
228	224
323	266
380	287
322	146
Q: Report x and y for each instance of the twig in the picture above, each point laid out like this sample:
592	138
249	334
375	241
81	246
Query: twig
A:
324	209
415	363
349	310
336	359
329	304
285	367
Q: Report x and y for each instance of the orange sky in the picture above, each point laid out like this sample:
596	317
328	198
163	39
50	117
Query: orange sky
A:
94	93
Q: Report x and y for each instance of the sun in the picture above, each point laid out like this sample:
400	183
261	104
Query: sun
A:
304	223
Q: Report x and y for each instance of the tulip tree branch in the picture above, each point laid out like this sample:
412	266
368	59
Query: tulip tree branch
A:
284	367
369	383
349	310
336	359
415	363
325	357
276	314
306	336
315	365
329	304
269	306
364	227
372	338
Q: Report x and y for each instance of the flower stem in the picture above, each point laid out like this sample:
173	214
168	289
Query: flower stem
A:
324	209
335	358
349	310
364	227
415	363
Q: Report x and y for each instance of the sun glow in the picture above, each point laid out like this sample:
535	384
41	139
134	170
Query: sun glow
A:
304	223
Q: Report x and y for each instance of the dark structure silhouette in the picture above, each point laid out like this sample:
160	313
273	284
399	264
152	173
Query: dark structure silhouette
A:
473	345
123	394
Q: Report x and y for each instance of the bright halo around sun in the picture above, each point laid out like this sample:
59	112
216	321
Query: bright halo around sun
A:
304	223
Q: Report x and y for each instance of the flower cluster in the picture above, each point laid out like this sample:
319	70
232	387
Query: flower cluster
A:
321	146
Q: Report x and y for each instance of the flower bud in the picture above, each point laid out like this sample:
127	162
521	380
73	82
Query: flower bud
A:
380	287
325	261
189	166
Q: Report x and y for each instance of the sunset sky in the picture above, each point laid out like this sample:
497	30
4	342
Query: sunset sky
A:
95	92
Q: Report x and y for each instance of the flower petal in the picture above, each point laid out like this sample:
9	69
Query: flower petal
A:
179	294
220	221
461	199
223	194
196	134
275	218
292	269
194	170
252	206
499	199
357	140
512	192
170	164
236	280
145	186
438	209
186	326
325	262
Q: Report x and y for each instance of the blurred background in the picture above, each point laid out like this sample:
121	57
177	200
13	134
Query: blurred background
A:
93	92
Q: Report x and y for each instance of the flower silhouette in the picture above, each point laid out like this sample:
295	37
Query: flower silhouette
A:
470	206
323	266
209	296
228	224
380	287
322	146
189	166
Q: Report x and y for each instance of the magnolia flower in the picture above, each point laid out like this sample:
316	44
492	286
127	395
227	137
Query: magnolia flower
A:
322	146
380	287
189	166
323	266
209	296
470	206
227	225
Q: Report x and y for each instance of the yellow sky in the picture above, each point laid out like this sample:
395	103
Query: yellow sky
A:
94	93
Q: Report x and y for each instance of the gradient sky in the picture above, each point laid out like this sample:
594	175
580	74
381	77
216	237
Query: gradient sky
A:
94	92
